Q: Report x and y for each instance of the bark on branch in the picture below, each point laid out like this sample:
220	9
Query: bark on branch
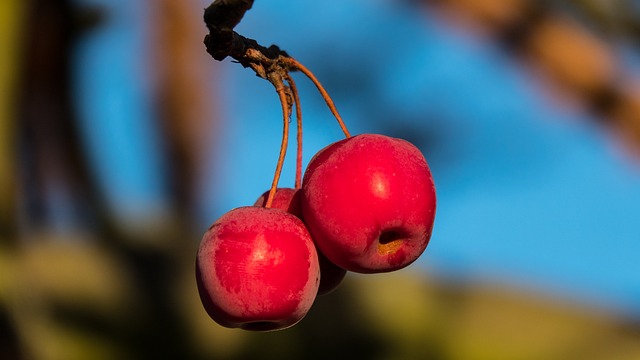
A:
270	63
222	41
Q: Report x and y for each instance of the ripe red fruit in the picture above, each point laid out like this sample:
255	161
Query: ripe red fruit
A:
288	199
257	269
369	202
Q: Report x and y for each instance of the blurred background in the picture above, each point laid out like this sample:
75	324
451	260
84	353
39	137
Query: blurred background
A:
121	140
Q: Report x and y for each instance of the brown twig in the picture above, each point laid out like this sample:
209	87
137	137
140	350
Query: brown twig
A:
285	101
296	102
270	63
221	17
295	64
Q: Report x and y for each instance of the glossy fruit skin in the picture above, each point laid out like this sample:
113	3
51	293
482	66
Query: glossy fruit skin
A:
257	269
288	199
369	203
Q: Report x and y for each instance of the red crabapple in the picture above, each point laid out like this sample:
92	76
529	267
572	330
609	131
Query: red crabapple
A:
369	203
257	269
288	199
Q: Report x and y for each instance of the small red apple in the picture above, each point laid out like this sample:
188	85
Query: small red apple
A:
369	203
257	269
288	199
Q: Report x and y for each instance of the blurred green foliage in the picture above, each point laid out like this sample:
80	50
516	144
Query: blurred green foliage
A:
107	294
10	25
81	300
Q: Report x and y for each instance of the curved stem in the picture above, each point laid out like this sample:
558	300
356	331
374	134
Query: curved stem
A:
283	146
296	101
298	66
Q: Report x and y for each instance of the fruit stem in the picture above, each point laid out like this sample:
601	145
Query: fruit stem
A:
283	146
296	101
298	66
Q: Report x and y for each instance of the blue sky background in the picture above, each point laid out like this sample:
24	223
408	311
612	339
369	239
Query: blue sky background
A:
529	193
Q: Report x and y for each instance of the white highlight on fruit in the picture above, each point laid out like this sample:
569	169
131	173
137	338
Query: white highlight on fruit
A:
380	185
263	252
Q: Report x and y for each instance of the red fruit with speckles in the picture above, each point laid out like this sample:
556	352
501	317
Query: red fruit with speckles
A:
369	202
288	199
257	269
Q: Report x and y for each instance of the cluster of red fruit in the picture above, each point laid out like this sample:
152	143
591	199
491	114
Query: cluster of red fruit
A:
366	204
